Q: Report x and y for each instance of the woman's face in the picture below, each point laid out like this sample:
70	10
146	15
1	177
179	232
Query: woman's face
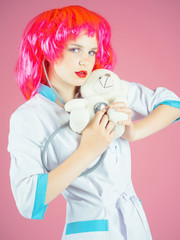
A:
76	63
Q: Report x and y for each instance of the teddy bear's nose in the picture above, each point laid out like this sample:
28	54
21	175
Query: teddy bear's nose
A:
107	75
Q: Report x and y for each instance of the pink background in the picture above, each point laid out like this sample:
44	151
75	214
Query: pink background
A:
146	37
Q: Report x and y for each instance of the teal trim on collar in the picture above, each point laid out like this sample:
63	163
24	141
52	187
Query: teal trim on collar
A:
171	103
87	226
39	202
46	92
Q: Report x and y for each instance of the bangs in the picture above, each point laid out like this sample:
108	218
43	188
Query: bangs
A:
65	24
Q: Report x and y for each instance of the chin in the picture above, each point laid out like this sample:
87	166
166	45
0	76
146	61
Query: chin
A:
81	81
79	84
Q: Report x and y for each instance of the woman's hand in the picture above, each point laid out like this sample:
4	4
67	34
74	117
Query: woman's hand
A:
95	139
129	126
159	118
97	136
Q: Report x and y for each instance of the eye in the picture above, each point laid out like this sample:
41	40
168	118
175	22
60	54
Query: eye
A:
92	53
75	50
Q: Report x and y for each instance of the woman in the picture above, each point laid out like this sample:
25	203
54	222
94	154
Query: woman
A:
72	42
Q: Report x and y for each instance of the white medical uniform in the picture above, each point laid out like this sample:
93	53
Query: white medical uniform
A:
101	205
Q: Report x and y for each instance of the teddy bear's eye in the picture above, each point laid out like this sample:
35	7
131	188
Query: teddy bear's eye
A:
100	77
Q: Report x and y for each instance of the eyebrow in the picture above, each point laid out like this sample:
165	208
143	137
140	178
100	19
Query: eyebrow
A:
80	46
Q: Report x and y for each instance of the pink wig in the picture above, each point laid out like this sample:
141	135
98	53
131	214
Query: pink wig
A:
45	37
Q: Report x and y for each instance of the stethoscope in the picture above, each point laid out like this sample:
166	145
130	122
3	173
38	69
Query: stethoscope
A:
98	107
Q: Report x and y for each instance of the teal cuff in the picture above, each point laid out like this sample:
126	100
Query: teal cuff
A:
87	226
171	103
39	203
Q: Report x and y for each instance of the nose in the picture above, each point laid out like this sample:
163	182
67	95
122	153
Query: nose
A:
107	75
84	61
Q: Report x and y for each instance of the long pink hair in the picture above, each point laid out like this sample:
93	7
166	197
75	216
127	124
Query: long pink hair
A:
45	37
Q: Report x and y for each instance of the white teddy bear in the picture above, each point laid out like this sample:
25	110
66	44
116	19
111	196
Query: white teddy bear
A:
102	88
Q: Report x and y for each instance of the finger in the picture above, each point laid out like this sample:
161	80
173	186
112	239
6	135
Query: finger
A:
117	104
125	110
106	108
110	127
112	134
99	115
104	121
125	122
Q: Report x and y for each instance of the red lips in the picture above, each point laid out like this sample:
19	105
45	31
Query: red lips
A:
81	74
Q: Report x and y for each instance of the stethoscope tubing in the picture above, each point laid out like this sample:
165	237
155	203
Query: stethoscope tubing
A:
43	155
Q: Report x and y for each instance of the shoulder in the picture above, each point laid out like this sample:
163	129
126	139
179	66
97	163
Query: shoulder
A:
26	110
30	122
37	106
37	112
32	113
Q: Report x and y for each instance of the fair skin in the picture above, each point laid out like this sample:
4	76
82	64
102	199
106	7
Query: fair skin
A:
159	118
79	55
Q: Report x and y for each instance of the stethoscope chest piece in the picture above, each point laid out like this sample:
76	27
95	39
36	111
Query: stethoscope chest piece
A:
100	106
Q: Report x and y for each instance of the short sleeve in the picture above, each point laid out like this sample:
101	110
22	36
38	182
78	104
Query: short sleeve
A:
143	100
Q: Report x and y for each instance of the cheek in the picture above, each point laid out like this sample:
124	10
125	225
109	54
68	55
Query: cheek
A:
93	62
58	68
71	59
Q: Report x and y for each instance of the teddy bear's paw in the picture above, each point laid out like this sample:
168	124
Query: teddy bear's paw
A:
115	116
75	103
119	130
79	119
